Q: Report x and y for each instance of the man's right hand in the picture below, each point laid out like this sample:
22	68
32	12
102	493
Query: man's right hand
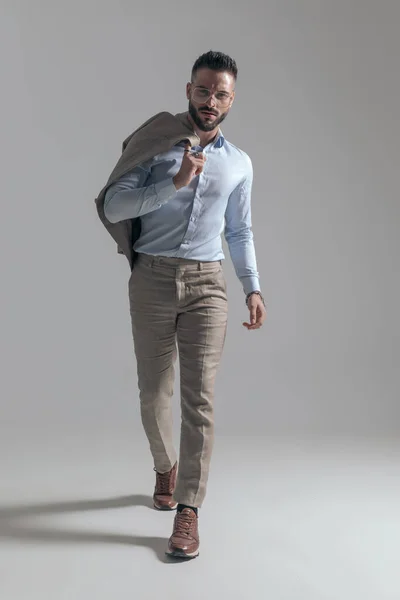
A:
190	167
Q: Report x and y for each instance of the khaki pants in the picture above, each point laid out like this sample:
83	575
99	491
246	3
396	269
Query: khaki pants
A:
176	301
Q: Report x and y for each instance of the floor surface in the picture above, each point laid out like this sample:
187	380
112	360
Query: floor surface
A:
284	519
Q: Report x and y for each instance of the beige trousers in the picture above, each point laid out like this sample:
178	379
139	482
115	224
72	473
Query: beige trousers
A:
176	302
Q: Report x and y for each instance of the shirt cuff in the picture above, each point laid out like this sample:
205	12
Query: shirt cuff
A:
251	284
165	190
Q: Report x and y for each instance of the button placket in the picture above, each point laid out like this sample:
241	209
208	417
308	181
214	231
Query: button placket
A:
201	185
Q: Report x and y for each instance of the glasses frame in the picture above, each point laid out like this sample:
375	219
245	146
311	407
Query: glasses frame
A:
211	94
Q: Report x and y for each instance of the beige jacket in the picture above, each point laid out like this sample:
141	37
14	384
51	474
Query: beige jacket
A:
159	134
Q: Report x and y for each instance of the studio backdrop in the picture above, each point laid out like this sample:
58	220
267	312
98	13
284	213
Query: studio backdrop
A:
316	109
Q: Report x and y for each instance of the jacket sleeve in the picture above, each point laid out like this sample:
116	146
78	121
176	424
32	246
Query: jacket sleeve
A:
129	197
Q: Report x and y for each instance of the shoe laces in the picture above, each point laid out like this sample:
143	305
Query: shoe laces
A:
184	522
163	482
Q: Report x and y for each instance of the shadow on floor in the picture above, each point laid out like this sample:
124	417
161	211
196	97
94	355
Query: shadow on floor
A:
51	508
12	529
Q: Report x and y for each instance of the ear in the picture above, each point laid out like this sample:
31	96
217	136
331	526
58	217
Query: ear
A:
232	99
188	90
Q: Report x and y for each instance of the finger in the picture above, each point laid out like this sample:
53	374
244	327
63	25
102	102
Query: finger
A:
195	161
251	327
260	313
198	156
199	166
253	315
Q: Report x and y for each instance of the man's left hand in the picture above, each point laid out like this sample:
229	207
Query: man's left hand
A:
257	312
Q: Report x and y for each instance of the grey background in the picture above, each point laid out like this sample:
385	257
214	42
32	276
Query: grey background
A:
304	488
316	109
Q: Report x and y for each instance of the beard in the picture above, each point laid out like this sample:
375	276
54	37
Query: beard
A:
195	113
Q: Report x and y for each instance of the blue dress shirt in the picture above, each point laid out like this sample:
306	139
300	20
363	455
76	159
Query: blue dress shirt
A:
188	222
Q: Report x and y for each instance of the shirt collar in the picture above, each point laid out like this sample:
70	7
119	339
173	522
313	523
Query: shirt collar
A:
219	140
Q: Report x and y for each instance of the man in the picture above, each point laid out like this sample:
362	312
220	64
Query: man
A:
184	198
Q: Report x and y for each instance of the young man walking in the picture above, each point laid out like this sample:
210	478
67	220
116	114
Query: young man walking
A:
179	184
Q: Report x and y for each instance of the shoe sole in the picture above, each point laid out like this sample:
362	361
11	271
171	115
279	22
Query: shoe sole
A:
182	554
165	508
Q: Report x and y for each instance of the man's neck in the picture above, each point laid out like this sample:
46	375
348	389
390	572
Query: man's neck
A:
206	137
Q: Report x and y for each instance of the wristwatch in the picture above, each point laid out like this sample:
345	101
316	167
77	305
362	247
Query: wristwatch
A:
258	294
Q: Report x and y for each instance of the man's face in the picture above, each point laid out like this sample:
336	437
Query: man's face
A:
207	114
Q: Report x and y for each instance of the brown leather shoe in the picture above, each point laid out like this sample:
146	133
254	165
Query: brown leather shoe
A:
184	541
164	488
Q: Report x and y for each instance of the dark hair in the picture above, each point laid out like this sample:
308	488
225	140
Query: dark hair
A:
216	61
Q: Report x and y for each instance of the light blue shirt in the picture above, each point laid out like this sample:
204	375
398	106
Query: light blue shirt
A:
188	222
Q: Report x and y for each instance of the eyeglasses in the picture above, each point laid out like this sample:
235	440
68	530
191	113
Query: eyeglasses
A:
202	95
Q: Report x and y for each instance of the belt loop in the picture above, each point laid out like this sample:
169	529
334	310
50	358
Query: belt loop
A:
200	266
153	258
